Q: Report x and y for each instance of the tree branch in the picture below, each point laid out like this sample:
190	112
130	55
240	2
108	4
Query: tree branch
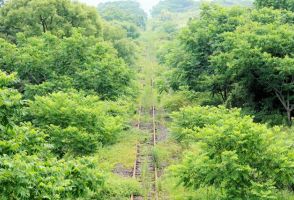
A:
281	98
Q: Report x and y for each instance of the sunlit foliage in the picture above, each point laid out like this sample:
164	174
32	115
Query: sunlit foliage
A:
240	158
59	17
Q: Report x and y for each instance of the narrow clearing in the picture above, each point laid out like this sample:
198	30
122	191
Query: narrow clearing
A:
145	168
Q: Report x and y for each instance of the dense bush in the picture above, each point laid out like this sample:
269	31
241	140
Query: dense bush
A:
125	49
60	83
24	138
24	177
188	120
10	100
175	101
116	30
243	159
29	169
76	122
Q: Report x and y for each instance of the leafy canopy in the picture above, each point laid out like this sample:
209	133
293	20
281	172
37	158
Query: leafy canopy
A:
81	62
10	100
123	11
34	17
238	55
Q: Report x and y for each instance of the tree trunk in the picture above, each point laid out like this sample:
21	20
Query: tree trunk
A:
44	25
285	100
289	114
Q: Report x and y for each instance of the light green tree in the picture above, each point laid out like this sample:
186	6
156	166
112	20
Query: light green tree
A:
241	159
34	17
78	61
284	4
10	100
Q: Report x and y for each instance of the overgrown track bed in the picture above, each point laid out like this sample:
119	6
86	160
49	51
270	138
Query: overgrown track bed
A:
145	170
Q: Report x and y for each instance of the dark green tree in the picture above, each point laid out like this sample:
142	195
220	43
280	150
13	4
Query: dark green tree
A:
259	59
244	76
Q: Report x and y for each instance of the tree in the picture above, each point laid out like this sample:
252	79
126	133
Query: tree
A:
81	62
10	100
34	17
121	34
285	4
234	2
173	6
205	59
62	97
125	49
260	57
123	11
199	40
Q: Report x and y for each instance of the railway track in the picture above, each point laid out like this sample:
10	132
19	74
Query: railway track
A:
145	170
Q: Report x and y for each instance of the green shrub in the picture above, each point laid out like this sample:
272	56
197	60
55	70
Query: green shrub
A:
243	159
10	100
24	138
76	122
72	140
120	188
62	83
24	177
175	101
190	119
